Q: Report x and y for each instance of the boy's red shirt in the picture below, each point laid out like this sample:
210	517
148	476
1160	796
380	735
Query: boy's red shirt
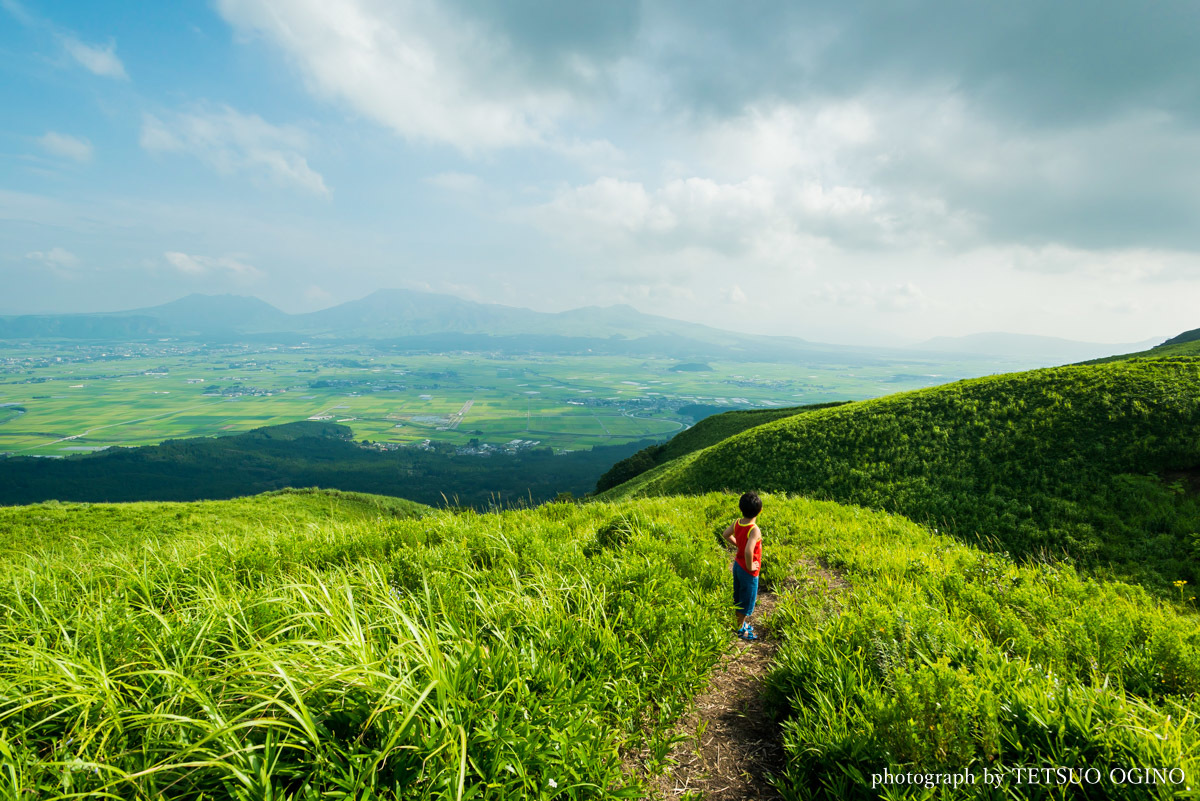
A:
741	532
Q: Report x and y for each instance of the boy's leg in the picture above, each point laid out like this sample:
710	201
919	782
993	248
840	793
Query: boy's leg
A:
751	600
737	598
745	588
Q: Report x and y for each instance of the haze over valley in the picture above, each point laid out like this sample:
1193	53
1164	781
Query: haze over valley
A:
403	367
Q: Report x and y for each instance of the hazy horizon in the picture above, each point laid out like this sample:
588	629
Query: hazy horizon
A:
901	344
811	170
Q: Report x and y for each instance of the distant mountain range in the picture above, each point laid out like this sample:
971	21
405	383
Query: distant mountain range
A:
384	314
427	321
423	321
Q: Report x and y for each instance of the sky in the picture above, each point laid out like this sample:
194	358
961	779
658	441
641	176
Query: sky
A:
875	173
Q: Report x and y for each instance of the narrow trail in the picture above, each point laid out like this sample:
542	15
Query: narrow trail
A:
732	745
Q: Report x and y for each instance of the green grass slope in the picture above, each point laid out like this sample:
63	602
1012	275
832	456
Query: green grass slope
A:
941	659
312	646
1088	461
1185	345
708	431
295	646
74	532
1185	337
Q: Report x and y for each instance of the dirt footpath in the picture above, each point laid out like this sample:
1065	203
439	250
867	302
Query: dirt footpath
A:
732	745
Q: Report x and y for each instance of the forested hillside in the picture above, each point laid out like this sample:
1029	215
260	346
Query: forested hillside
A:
304	454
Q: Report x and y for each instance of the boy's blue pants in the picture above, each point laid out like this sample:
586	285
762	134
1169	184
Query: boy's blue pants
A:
745	589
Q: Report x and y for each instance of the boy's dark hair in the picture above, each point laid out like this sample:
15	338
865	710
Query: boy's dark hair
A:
750	504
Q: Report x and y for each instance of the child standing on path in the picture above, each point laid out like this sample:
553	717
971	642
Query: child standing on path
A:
744	535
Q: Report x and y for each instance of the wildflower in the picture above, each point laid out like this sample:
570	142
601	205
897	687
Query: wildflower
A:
1179	583
553	784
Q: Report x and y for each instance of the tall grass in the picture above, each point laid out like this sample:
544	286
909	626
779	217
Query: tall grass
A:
940	658
522	654
451	656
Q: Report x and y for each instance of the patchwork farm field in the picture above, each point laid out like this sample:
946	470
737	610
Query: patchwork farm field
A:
59	399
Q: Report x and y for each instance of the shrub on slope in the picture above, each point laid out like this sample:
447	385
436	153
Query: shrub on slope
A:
708	431
1059	461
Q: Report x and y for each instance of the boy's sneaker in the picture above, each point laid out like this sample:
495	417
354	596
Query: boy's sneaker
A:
742	631
748	634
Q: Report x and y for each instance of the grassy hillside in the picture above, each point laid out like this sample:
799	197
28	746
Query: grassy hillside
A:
708	431
279	645
941	659
75	532
1189	349
1186	345
1094	462
324	646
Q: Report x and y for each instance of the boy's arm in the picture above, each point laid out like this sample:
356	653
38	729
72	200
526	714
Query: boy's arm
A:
752	540
728	535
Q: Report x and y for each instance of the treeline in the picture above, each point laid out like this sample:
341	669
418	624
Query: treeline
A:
307	454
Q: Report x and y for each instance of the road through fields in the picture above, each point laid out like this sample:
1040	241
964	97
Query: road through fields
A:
458	418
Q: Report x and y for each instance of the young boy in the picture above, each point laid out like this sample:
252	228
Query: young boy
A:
745	536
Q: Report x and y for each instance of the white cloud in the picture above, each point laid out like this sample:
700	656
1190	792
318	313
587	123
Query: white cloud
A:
66	146
413	67
56	258
835	162
18	11
598	156
1116	265
318	297
97	60
734	294
1121	307
609	205
899	297
945	172
458	182
235	143
755	217
205	265
819	138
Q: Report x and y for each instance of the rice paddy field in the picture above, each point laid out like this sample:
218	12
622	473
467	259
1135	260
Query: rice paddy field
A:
56	400
323	645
